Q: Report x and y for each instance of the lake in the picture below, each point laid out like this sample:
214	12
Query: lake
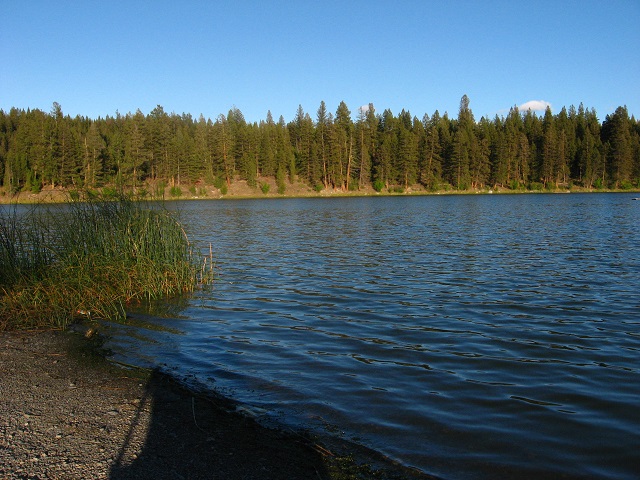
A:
469	336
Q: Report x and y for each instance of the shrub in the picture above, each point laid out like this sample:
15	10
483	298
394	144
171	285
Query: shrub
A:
175	191
109	192
378	185
219	183
265	188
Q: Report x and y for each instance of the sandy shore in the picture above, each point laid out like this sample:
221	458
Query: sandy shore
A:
66	413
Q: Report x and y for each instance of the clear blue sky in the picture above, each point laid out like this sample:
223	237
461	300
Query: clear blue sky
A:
99	57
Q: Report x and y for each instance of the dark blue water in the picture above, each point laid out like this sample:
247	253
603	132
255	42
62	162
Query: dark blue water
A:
468	336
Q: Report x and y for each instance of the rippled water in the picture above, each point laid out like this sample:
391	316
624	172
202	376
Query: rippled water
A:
468	336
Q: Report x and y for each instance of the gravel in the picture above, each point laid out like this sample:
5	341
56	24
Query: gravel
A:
66	413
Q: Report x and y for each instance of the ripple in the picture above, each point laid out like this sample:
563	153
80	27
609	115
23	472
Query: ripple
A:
429	327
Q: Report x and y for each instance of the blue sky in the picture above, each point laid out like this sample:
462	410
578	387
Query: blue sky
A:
99	57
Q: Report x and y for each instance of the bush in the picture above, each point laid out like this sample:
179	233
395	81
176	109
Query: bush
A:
219	183
378	185
265	188
109	192
515	185
175	191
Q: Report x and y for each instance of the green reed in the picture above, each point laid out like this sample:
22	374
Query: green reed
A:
97	257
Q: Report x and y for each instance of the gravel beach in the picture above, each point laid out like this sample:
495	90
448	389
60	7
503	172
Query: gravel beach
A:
67	413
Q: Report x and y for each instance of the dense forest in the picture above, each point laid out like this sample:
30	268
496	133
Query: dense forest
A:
329	151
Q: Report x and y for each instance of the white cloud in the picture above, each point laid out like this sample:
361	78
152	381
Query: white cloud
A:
535	105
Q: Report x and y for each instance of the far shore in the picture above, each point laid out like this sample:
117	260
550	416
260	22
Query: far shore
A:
239	190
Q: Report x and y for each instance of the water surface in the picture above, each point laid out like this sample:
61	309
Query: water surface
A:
468	336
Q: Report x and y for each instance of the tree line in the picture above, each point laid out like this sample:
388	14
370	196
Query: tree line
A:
523	150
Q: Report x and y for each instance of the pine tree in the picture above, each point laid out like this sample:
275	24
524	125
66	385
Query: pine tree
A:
616	133
533	131
94	146
480	167
549	149
363	149
134	150
463	146
301	135
158	135
407	152
384	171
344	146
202	149
565	148
222	153
319	170
430	165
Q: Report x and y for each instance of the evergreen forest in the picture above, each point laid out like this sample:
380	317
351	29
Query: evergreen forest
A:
519	151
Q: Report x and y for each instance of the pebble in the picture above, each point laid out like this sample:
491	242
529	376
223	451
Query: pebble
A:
36	447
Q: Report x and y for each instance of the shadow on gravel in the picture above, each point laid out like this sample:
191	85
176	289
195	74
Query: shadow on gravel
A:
193	437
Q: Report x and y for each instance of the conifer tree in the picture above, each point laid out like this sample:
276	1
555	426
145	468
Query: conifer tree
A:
430	165
319	170
344	146
463	146
94	146
222	153
616	131
549	149
363	148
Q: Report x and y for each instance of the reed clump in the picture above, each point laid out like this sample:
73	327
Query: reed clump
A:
96	257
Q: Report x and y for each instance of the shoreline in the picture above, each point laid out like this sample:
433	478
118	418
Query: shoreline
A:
69	413
241	191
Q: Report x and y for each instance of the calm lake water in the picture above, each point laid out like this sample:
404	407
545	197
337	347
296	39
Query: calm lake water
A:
468	336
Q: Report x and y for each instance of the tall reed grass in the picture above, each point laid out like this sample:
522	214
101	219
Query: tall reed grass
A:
97	257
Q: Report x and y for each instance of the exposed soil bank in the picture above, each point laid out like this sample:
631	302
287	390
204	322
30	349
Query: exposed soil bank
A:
66	413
